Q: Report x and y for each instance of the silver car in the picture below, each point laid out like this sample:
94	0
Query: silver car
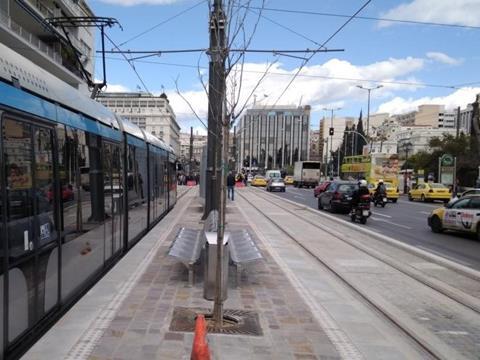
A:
276	183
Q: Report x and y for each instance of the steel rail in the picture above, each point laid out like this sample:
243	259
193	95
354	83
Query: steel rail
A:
411	333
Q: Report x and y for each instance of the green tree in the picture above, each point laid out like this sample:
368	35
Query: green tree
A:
463	147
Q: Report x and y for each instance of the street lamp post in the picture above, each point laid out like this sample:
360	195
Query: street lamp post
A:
331	135
406	147
368	106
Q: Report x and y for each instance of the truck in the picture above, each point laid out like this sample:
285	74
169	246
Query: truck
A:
306	173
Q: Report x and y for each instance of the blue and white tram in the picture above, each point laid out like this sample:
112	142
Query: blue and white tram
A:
78	187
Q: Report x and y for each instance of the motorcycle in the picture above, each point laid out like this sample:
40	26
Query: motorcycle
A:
380	199
362	211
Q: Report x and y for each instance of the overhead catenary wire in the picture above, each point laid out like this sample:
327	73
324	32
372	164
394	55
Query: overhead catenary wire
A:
340	78
130	63
163	22
321	46
405	21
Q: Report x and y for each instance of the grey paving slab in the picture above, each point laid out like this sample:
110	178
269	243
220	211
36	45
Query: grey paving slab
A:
287	289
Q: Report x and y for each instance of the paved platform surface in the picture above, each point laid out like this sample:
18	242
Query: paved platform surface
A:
304	312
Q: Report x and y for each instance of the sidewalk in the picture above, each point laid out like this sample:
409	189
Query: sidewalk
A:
128	314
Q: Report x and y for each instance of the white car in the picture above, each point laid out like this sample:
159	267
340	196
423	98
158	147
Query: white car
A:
276	184
460	215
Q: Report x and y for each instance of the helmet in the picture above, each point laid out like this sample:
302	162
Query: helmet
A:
380	181
362	183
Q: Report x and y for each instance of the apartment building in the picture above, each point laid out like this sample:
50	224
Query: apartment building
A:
434	116
151	113
25	27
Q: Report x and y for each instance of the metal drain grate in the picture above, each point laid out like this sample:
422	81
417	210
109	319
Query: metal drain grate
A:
236	322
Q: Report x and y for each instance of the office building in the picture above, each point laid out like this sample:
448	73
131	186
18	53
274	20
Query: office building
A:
273	137
151	113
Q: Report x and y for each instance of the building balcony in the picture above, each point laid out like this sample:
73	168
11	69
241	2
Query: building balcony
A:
46	54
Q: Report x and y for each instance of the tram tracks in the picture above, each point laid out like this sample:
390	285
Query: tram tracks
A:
432	345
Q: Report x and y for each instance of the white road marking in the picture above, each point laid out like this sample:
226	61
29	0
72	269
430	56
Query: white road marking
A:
387	216
392	223
452	332
424	212
299	196
443	255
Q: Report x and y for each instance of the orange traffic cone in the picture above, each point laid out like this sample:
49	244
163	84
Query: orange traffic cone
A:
200	350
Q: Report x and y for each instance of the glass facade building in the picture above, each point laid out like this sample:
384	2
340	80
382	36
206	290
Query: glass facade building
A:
273	138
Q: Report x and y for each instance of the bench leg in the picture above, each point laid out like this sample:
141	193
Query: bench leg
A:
238	276
190	275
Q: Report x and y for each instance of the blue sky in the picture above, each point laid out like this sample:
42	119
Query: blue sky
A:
415	63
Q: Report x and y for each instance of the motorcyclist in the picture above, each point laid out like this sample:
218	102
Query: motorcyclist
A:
357	194
381	190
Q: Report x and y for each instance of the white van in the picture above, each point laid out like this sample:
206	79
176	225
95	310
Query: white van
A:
273	174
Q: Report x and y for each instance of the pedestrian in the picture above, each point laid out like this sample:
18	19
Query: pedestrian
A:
231	185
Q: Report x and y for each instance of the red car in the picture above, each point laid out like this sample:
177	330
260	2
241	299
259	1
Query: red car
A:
67	194
321	188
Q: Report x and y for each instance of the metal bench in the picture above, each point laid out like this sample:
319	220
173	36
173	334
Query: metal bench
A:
242	250
188	243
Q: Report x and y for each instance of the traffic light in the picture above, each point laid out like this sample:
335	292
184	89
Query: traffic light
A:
331	131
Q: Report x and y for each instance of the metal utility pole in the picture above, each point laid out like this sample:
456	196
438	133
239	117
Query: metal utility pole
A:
216	88
458	122
190	152
331	132
368	106
217	150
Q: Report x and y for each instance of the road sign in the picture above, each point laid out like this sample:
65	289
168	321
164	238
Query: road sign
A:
447	160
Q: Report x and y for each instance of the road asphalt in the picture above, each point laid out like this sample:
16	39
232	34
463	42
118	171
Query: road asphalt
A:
407	222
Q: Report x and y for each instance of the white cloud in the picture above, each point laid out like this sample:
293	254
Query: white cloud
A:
443	58
140	2
116	88
458	12
319	87
460	97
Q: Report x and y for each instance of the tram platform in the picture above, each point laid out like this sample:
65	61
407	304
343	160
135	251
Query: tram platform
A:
302	314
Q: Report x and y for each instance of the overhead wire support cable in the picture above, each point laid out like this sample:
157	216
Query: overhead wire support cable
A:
376	81
163	22
321	46
273	51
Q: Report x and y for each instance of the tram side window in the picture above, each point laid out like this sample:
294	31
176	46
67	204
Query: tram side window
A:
75	179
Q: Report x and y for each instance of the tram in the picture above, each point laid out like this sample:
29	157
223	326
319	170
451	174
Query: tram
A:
79	186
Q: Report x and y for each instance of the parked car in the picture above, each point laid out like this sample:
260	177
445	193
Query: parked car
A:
276	184
461	215
430	192
321	188
288	180
338	196
259	180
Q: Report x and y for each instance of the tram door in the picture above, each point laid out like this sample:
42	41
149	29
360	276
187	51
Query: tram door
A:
31	231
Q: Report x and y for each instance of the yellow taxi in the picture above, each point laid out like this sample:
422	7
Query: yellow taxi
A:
429	192
259	180
288	180
460	215
392	191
